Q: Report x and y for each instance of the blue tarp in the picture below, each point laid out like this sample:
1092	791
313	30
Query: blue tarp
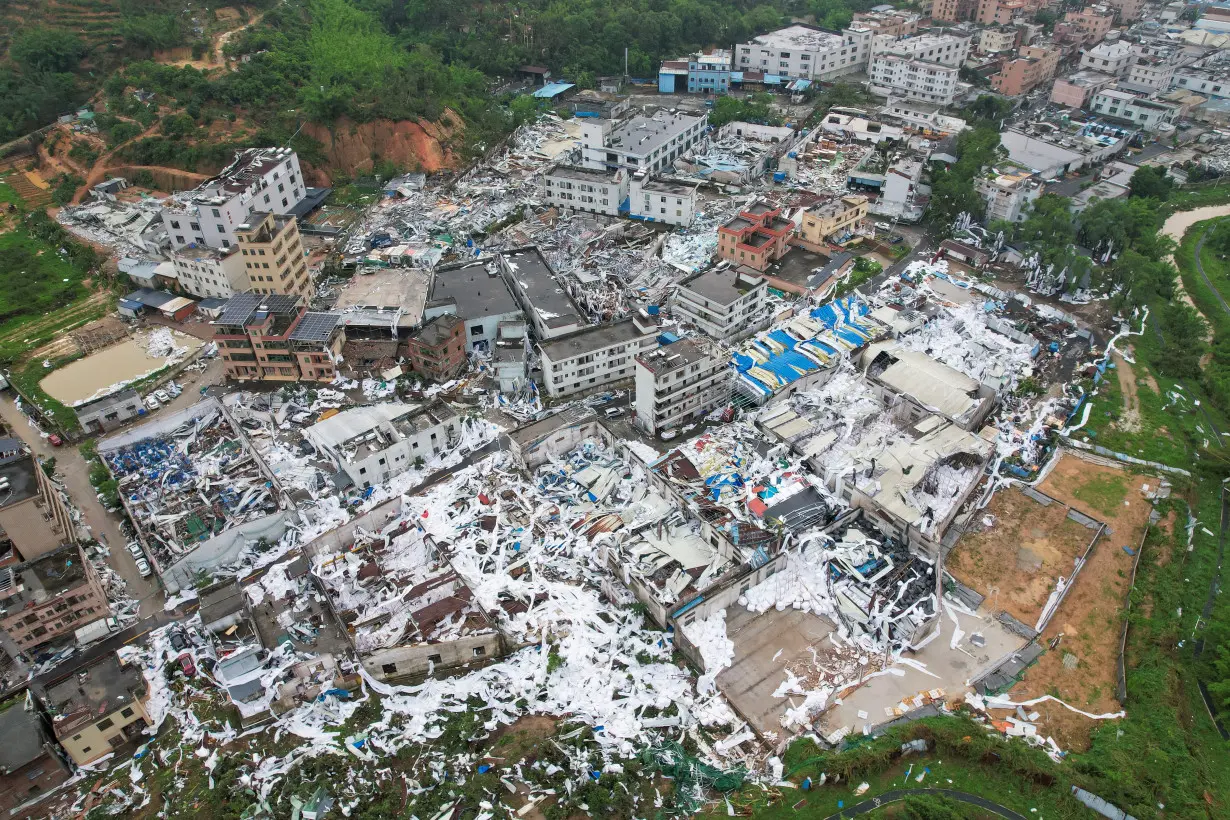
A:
552	90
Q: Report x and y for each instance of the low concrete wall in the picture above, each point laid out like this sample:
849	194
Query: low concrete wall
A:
406	662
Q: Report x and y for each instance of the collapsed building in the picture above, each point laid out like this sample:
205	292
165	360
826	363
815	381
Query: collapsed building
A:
195	489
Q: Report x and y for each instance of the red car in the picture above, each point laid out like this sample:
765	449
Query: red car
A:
185	663
55	440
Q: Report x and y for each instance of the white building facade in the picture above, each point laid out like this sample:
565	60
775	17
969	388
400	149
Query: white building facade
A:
806	52
650	144
206	272
724	303
656	201
896	75
680	382
595	357
582	189
945	49
1109	58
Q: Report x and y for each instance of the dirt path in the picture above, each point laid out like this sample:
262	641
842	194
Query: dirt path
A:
1130	422
226	36
98	171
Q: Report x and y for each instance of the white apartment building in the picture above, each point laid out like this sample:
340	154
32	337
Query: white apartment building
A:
581	189
1109	58
208	272
945	49
1207	83
595	357
1149	75
900	197
995	40
895	75
640	143
657	201
374	443
1148	115
268	180
1009	196
725	303
806	52
679	382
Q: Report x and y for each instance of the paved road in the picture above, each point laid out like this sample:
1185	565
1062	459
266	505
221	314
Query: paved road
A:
896	796
1200	268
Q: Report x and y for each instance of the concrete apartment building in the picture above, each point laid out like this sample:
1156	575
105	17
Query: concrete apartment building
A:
1033	66
1009	196
1149	75
261	179
639	143
680	382
374	443
946	49
1077	90
584	189
1148	115
438	350
953	11
1128	11
698	73
206	272
1109	58
275	338
29	764
758	236
98	709
996	40
807	52
543	297
477	293
894	23
838	216
1212	84
53	595
595	357
274	257
725	303
898	196
654	200
894	75
1003	12
1090	24
33	518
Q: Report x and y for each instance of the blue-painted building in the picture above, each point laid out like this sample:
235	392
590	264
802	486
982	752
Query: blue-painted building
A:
697	74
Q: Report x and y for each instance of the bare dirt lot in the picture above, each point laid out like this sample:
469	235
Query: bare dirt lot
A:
1016	562
1081	669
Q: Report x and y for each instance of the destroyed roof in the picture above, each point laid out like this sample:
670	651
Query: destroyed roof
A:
221	600
581	174
23	734
476	292
678	354
38	581
535	431
929	382
92	692
152	298
247	168
674	188
439	330
592	338
401	289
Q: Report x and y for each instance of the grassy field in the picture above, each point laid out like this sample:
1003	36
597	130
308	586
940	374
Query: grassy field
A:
34	278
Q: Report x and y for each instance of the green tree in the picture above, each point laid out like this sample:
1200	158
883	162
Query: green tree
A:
952	189
44	49
1151	182
1184	329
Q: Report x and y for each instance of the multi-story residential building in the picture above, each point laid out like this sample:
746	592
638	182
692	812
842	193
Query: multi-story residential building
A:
30	767
1033	66
679	382
273	255
946	49
836	217
374	443
997	39
924	116
1001	12
1108	58
438	350
584	189
1148	115
709	73
33	518
953	11
1207	82
477	293
725	303
546	300
261	179
1090	24
659	201
595	357
1009	196
205	272
640	143
1077	90
1149	75
807	52
275	338
899	195
53	595
894	75
895	23
756	237
98	709
1128	11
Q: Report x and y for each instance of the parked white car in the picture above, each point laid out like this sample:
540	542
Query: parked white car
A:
162	396
134	549
144	568
152	402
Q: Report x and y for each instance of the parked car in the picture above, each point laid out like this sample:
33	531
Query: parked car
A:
144	568
54	440
613	412
162	396
174	389
667	435
134	549
186	664
152	402
179	641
